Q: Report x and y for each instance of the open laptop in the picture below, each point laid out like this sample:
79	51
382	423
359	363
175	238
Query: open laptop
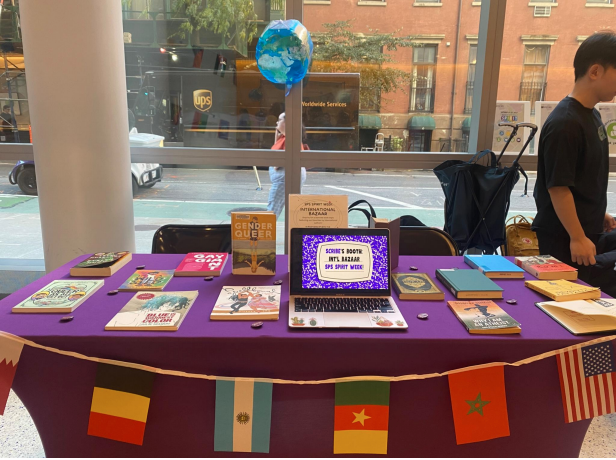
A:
340	277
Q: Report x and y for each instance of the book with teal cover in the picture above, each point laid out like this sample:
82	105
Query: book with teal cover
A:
494	266
466	284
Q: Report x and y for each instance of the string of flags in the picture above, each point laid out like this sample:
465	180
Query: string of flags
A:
122	392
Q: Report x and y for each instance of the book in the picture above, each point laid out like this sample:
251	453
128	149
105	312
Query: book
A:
202	264
61	296
583	316
101	264
494	266
147	280
317	211
562	290
547	268
253	243
484	317
469	284
416	286
247	302
153	311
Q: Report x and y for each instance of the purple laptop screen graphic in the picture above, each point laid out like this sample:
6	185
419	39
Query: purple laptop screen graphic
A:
344	262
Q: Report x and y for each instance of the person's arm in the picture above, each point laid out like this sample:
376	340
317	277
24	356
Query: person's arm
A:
583	250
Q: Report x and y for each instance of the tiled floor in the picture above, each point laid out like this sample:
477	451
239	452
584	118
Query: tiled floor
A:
18	436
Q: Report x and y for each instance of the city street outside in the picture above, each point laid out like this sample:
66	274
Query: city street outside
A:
207	196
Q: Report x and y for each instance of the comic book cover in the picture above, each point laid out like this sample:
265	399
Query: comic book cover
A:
147	280
153	311
101	264
247	302
253	243
61	296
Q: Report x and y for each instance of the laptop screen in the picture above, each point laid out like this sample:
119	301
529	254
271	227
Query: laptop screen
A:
353	260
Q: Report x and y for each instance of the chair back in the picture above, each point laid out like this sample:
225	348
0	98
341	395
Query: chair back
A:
182	239
426	241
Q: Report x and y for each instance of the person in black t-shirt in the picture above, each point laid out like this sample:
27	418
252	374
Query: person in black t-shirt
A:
573	163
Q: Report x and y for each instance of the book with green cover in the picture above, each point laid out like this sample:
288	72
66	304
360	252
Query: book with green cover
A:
469	284
562	290
416	286
484	317
60	296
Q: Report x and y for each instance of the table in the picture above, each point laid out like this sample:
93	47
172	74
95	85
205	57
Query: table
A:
57	390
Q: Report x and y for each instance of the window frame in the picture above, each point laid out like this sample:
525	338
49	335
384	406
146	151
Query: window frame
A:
431	67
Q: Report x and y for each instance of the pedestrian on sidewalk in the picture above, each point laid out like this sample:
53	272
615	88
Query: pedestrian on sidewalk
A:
277	192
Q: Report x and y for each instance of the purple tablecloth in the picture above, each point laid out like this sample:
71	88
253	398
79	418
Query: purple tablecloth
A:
57	390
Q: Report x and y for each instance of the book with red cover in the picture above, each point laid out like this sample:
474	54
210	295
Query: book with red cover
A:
547	268
202	264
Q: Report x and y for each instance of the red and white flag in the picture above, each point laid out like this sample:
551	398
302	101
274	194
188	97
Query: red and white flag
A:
587	381
10	351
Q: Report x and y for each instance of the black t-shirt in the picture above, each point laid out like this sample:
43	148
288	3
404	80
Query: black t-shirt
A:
573	152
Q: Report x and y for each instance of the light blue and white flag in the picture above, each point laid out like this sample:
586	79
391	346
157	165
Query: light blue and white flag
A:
243	416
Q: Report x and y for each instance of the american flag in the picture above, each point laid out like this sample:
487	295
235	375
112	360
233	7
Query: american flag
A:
587	381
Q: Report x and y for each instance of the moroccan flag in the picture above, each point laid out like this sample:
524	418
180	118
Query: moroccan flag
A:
479	404
10	351
120	403
243	416
361	421
587	381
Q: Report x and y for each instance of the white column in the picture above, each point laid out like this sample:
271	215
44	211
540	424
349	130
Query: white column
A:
74	56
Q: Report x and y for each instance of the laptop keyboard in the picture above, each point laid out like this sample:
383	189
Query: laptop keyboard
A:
343	305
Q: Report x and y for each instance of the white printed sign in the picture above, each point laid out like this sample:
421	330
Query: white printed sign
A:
510	112
344	261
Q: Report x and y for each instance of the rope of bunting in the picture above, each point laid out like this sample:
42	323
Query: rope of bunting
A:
400	378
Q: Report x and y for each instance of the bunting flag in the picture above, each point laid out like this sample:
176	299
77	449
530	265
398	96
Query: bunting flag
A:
120	403
243	416
361	420
587	381
10	351
479	404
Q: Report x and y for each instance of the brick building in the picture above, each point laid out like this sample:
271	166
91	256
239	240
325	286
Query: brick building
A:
539	44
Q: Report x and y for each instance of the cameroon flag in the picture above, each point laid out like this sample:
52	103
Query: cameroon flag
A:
479	404
361	420
120	403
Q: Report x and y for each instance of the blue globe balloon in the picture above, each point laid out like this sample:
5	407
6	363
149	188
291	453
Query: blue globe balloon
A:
284	52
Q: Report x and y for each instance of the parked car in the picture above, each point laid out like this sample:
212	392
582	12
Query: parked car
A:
143	174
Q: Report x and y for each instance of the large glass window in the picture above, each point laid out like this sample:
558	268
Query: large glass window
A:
424	79
534	74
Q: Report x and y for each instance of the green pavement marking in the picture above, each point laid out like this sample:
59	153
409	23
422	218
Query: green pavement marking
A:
7	202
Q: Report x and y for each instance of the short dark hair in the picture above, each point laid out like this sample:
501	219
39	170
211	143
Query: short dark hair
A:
599	48
6	107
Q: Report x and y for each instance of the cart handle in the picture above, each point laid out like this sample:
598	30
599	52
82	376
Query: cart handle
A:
533	131
514	131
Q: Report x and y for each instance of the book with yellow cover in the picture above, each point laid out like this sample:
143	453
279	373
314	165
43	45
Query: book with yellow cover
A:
583	316
562	290
484	317
253	243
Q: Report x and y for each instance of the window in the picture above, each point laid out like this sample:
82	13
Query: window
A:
534	74
424	79
605	2
470	79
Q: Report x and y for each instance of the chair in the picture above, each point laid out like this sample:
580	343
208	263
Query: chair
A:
182	239
426	241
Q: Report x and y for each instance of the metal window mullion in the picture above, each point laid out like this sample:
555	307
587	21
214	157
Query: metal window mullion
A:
293	118
487	70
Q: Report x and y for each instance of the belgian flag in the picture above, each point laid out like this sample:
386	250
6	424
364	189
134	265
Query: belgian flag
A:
120	403
361	422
